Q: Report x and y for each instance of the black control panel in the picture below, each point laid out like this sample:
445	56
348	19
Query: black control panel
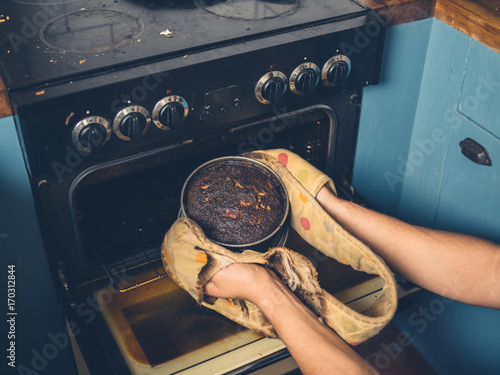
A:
99	121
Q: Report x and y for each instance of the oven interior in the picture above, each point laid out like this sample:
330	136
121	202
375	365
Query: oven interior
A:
122	222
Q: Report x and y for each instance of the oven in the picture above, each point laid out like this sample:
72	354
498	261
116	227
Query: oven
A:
117	102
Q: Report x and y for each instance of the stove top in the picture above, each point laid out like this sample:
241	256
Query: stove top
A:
48	41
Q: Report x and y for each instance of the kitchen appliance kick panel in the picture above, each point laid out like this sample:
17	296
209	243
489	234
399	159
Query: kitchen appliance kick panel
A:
118	101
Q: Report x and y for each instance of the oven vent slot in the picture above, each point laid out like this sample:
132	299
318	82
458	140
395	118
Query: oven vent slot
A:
130	273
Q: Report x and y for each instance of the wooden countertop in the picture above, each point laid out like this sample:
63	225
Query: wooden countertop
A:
396	12
5	109
480	19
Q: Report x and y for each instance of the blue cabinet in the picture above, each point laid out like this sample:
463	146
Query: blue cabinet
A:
480	94
41	340
409	164
469	200
387	117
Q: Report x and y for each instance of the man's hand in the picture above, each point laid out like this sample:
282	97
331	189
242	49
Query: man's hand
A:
241	281
314	346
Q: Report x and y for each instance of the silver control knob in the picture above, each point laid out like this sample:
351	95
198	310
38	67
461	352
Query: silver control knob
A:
131	123
271	88
91	133
304	79
170	112
335	71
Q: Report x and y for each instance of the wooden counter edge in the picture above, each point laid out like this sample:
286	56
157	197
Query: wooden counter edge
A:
478	20
5	108
397	12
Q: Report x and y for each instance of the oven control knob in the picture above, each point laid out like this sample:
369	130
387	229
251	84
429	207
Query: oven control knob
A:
335	71
271	88
91	133
170	112
304	79
131	123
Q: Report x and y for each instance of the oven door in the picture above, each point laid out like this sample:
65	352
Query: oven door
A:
134	318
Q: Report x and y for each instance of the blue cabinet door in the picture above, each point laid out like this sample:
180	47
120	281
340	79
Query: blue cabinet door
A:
469	201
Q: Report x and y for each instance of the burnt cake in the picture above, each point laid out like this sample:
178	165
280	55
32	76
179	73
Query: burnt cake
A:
235	202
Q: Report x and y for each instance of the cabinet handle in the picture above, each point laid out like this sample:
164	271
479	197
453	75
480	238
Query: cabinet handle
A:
475	152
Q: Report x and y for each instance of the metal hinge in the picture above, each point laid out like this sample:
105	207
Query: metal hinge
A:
64	283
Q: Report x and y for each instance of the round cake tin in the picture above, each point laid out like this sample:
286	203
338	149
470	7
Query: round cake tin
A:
278	236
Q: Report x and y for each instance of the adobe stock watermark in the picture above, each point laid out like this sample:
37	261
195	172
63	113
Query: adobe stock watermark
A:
388	352
421	319
266	135
364	35
30	27
424	148
362	38
87	310
136	95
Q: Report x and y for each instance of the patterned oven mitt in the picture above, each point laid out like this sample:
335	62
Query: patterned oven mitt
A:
191	259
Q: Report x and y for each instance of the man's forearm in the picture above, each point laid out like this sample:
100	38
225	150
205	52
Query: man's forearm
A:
454	265
314	346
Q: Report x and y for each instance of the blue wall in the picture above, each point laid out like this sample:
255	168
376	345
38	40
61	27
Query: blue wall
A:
438	87
41	341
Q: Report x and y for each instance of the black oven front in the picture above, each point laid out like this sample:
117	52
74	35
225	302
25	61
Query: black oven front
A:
107	157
